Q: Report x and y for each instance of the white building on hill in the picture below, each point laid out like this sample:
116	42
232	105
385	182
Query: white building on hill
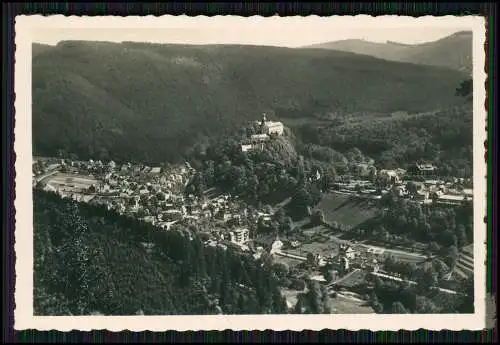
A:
270	127
267	128
240	236
259	138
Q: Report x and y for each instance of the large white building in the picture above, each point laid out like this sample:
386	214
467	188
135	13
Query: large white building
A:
273	128
255	142
270	127
267	128
240	236
276	245
259	138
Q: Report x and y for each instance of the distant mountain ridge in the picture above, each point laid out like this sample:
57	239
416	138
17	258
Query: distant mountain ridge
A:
38	48
454	51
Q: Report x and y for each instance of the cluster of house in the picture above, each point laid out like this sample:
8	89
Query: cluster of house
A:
398	181
355	257
428	191
356	187
349	258
162	202
99	167
362	185
232	227
423	169
151	193
267	129
157	196
43	166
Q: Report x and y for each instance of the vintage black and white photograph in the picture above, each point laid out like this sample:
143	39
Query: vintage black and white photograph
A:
260	166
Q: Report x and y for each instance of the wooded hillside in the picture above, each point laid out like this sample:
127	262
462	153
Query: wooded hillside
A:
90	260
149	102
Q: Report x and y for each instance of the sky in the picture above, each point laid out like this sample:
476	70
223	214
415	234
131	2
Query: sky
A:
283	32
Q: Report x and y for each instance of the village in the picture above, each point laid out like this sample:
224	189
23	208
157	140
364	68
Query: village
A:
315	251
420	184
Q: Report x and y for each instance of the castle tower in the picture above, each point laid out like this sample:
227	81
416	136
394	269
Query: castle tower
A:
263	124
264	118
276	245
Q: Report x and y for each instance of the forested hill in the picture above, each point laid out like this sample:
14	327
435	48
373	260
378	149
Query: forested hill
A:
88	260
147	102
454	51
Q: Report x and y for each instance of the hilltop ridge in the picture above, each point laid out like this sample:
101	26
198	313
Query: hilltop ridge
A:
453	51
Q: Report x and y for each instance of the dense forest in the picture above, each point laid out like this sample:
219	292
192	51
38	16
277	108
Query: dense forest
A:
90	260
153	103
400	222
429	223
443	138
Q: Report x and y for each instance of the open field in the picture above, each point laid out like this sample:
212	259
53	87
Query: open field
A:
291	296
310	231
325	249
342	304
351	279
399	255
327	246
290	262
347	210
346	305
62	181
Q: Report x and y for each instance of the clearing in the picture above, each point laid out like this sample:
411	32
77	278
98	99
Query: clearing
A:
347	210
351	279
342	304
291	296
289	262
316	240
400	255
70	182
346	305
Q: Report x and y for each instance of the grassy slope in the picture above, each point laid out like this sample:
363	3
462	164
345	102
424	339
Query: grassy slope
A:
151	102
347	210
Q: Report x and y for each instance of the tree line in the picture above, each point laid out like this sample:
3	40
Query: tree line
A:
389	297
443	138
439	225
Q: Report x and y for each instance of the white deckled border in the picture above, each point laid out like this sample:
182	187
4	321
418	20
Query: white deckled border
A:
27	27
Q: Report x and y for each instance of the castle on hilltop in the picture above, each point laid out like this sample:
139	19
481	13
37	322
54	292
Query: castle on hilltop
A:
266	130
270	127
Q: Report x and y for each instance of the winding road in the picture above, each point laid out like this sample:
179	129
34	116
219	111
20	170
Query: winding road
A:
451	292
